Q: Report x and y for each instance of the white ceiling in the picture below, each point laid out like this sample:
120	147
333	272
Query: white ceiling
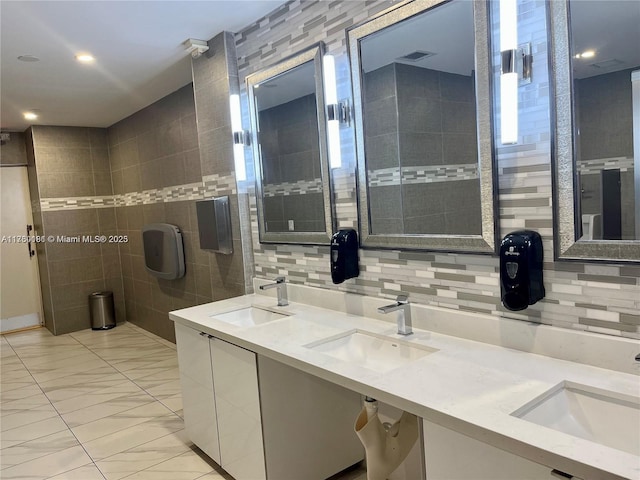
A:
609	27
137	45
446	31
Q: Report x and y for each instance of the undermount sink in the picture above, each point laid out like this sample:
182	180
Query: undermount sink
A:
601	416
371	351
249	316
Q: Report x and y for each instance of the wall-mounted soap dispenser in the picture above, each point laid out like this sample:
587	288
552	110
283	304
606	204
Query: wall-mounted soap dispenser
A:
344	255
521	269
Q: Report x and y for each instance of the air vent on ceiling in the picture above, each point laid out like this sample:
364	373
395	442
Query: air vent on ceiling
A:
607	64
416	56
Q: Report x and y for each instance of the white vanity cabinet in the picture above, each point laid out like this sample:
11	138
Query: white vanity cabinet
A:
261	419
196	381
450	455
235	382
221	402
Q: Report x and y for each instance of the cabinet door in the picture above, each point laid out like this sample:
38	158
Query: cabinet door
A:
196	380
238	405
453	456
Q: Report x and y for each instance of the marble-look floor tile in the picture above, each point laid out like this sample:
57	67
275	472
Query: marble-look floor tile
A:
19	393
144	456
53	358
164	390
143	367
120	421
88	472
106	409
41	338
134	436
43	365
20	419
49	465
10	407
117	393
96	397
37	448
8	386
114	355
32	431
58	373
16	374
217	475
81	383
159	378
173	403
188	466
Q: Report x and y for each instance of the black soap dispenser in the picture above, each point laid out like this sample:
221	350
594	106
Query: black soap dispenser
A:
521	269
344	255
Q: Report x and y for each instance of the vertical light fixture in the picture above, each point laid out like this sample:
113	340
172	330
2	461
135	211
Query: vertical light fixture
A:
239	137
509	73
333	115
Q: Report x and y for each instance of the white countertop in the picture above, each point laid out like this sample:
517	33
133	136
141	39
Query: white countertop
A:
467	386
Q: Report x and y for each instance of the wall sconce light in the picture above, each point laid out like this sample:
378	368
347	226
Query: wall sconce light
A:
337	112
240	138
516	64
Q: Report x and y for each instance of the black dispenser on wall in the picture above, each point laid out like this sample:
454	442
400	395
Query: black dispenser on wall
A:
521	269
344	255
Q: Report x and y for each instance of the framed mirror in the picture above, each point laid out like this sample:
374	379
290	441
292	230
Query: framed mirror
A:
293	188
596	74
422	97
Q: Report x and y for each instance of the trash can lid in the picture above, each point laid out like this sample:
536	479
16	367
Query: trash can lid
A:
106	293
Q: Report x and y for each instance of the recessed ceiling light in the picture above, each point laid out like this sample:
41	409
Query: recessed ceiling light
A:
30	116
85	58
28	58
586	54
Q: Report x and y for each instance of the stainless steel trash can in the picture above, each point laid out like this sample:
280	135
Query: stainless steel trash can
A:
101	310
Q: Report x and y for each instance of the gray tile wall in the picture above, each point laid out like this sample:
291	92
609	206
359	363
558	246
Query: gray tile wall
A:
416	118
290	154
70	162
605	115
605	118
603	298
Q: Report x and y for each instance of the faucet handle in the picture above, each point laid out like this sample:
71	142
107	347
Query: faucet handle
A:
280	279
402	299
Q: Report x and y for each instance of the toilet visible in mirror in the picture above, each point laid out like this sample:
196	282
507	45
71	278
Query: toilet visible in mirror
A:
596	62
423	124
290	150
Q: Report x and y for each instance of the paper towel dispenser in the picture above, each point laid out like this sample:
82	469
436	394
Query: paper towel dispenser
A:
163	250
521	269
214	224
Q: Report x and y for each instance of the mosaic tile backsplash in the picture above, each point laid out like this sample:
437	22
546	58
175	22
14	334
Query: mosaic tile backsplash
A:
602	298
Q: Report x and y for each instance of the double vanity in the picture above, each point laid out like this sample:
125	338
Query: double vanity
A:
273	391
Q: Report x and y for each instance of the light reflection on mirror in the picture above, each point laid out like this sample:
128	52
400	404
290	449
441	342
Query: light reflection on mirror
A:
605	42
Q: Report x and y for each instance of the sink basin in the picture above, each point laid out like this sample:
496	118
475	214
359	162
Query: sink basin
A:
249	316
371	351
601	416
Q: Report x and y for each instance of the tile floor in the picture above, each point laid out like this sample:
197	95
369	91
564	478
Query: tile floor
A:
96	405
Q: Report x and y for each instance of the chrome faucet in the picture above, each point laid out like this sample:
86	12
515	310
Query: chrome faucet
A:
404	314
280	284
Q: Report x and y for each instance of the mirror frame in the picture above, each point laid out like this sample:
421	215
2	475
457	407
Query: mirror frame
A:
566	245
312	54
487	173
